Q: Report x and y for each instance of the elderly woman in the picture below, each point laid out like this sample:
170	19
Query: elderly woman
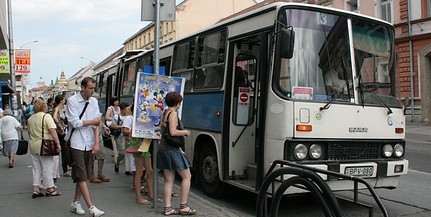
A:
9	135
42	165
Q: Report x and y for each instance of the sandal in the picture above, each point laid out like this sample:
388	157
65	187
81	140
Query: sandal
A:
160	200
174	194
170	211
36	194
52	192
143	202
186	210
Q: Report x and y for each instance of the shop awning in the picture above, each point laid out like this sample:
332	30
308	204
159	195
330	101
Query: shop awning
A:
6	87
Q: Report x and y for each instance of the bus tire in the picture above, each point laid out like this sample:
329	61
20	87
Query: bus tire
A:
208	172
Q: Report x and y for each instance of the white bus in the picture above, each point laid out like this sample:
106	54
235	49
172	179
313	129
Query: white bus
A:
296	82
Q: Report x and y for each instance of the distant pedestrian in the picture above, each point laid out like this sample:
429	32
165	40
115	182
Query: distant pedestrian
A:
113	121
84	142
100	156
9	135
60	120
24	109
30	109
50	103
129	159
43	166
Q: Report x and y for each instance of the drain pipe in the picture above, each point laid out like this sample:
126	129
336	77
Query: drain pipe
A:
412	86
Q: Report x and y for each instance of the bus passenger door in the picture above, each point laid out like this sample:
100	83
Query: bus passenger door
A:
242	164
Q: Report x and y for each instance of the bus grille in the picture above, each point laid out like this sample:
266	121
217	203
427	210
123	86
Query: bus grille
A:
353	151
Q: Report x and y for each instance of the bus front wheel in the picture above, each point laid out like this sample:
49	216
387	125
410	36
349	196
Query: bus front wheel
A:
208	172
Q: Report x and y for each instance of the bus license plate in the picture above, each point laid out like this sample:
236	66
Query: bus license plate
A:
359	171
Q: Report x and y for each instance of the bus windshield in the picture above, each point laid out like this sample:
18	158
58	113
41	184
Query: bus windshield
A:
321	66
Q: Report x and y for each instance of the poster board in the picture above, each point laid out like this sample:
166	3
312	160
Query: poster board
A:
149	102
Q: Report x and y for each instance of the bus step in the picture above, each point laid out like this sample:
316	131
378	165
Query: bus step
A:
251	171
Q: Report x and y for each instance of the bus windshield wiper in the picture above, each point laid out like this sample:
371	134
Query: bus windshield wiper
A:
382	102
328	104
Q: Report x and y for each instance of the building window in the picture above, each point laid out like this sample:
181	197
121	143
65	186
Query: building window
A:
386	12
352	5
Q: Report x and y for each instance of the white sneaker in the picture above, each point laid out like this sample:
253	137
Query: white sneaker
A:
94	212
76	208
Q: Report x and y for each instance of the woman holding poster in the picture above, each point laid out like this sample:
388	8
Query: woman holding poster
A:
140	149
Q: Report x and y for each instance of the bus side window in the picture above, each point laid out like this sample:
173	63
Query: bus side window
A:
199	79
213	77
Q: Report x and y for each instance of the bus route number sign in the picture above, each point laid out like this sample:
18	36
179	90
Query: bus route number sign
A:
359	171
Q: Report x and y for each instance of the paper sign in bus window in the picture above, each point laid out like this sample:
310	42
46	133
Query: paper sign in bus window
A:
305	93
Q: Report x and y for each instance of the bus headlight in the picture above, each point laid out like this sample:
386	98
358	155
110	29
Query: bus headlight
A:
300	152
398	150
388	150
315	151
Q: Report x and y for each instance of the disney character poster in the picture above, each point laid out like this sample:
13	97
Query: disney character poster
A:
149	102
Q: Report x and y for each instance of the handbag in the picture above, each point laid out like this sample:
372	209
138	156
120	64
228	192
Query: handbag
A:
175	141
116	132
48	147
22	146
67	149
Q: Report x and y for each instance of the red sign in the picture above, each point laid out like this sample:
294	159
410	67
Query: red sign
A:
22	61
244	96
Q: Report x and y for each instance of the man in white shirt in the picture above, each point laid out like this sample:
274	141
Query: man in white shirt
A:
84	142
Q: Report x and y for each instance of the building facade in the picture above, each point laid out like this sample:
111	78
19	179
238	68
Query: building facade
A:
6	87
186	15
412	19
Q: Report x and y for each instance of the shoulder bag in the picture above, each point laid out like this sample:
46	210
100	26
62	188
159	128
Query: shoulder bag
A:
48	147
68	152
175	141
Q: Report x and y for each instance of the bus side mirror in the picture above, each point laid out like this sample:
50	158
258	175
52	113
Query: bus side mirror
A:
286	42
407	103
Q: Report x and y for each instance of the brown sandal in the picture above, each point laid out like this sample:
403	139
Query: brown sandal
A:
52	192
170	211
186	210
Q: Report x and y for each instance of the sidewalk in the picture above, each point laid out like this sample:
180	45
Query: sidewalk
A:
116	197
418	128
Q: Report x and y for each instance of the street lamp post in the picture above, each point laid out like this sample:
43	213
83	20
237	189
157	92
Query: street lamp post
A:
24	82
91	61
35	41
